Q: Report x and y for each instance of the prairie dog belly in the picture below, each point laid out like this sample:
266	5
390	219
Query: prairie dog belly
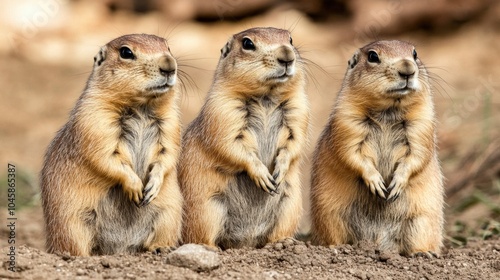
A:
265	120
387	137
140	133
122	226
252	213
373	218
376	220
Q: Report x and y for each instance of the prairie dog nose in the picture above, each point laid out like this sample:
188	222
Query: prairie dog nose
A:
285	56
406	69
167	65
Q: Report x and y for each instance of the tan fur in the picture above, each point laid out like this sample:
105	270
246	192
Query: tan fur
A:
245	143
118	150
376	174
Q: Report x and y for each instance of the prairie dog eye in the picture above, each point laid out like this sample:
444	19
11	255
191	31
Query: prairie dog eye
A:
248	44
373	57
415	54
126	53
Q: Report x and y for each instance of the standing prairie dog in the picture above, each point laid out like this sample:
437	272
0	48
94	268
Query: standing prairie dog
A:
376	174
109	179
239	168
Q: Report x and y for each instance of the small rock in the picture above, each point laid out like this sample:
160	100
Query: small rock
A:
496	265
278	246
195	257
105	263
361	275
272	274
384	256
66	256
298	249
288	242
80	272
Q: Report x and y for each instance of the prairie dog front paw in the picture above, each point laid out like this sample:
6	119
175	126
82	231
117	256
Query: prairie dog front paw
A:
152	189
133	188
375	182
261	176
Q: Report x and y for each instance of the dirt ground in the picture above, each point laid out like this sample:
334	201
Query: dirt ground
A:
45	69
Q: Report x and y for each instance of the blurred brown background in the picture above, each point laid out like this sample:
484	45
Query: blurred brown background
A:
47	47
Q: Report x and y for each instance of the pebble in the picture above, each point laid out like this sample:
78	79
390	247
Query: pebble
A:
105	263
66	256
298	249
384	256
278	246
80	272
288	242
195	257
272	274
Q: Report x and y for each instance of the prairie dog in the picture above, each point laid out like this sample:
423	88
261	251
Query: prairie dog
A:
375	173
239	167
109	179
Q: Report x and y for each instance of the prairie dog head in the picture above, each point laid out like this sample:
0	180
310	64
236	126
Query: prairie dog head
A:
386	69
259	59
137	64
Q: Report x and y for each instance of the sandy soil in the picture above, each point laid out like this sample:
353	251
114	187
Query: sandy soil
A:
43	75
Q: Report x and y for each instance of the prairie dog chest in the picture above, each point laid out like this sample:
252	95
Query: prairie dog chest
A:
140	131
387	138
264	119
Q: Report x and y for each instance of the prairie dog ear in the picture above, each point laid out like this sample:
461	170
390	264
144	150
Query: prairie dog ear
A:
354	60
226	49
100	56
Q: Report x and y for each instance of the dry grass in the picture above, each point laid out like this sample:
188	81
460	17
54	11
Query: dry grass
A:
473	195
